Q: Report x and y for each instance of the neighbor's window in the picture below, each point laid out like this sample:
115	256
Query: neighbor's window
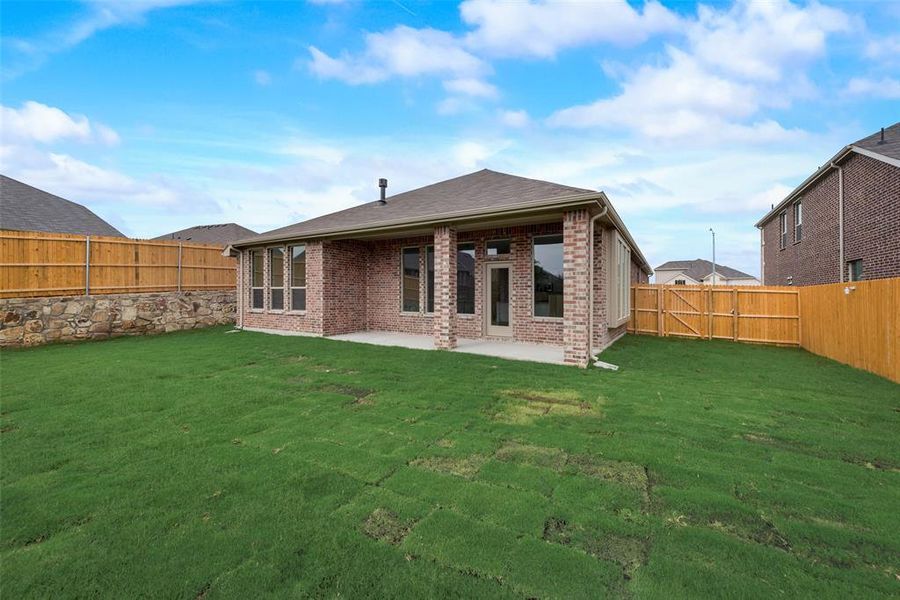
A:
465	279
855	270
619	293
680	282
298	277
429	273
782	223
256	279
410	286
497	247
548	276
798	221
276	278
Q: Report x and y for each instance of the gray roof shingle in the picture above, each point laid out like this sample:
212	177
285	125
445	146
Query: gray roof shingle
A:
479	191
26	208
699	268
222	234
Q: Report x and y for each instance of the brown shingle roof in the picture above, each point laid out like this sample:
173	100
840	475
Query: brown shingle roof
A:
26	208
699	268
482	191
222	233
890	147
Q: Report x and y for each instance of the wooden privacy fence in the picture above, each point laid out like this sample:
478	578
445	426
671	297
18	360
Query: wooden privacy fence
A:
766	315
856	323
34	264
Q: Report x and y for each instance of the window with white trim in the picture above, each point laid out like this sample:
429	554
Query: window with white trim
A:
619	291
276	278
855	270
256	280
410	280
549	277
465	279
798	221
782	223
429	274
298	277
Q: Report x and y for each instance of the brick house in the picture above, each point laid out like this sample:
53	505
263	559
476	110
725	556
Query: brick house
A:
842	223
485	255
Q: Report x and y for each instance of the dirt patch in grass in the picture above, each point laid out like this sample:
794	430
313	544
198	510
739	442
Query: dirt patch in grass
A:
630	553
360	395
522	407
875	464
384	525
461	466
535	456
444	443
624	473
761	531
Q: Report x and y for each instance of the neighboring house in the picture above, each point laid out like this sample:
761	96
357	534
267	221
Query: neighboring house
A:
221	234
26	208
700	272
484	255
842	223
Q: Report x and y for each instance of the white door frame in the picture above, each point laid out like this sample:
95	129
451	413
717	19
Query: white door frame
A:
497	330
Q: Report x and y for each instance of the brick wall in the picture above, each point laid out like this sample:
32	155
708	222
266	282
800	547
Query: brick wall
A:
344	298
576	266
871	227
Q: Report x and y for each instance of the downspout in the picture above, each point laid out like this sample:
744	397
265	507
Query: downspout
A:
840	171
594	219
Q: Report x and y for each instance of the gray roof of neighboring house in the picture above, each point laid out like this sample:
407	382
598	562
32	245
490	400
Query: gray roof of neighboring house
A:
479	191
699	268
222	233
26	208
887	150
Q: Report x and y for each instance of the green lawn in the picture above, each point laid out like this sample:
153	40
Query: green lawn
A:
208	465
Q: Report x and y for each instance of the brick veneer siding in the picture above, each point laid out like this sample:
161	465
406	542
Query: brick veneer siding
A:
445	274
576	267
363	288
871	227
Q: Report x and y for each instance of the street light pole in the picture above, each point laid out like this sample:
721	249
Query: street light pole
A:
713	282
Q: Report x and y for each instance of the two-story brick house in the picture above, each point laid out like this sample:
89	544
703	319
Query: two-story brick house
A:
482	256
842	223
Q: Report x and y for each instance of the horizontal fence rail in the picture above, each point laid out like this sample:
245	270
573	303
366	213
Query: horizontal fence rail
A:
34	263
765	315
856	323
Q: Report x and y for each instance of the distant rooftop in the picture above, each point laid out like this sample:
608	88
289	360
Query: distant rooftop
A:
26	208
699	268
222	234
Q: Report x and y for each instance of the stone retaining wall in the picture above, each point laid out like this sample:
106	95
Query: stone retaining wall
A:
35	321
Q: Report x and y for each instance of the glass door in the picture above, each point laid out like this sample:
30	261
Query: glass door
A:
499	313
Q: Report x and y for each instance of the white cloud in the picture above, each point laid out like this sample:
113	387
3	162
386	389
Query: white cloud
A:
737	62
887	47
543	28
400	52
886	87
36	122
514	118
471	87
262	77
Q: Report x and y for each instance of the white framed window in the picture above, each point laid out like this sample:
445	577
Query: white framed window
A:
465	279
798	221
298	277
257	280
782	224
619	290
276	278
549	279
855	270
429	274
410	284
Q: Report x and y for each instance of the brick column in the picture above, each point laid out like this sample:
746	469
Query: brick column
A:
576	224
444	287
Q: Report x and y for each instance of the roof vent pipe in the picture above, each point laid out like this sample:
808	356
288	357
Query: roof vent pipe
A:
382	183
881	141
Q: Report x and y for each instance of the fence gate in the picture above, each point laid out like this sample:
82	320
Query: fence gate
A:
740	313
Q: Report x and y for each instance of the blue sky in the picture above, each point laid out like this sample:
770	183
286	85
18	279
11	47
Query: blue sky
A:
161	114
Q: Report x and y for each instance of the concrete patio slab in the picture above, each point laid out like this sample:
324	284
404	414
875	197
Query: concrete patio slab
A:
542	353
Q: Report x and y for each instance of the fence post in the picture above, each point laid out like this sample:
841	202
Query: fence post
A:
179	266
734	311
659	316
709	309
87	265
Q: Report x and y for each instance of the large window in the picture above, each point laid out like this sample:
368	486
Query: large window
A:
276	278
619	292
465	279
798	221
429	273
298	277
498	247
410	286
782	223
548	276
256	279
